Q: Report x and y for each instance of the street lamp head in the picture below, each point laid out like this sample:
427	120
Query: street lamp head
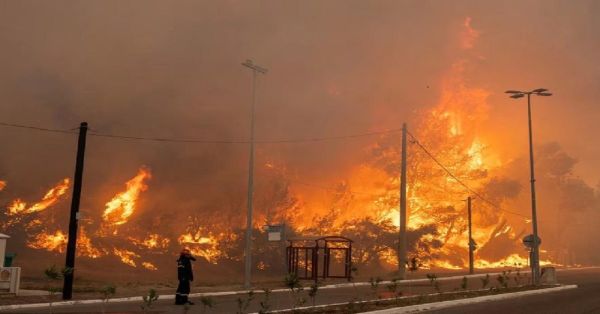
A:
544	94
539	90
249	64
513	92
515	96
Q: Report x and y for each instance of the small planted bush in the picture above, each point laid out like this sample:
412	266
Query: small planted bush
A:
312	293
265	304
434	282
244	303
464	283
485	281
503	279
207	303
107	292
54	275
148	300
374	282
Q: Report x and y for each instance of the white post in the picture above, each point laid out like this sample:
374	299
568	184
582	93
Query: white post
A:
3	238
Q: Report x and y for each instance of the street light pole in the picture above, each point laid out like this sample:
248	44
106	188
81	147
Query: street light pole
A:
535	256
402	242
536	247
471	242
248	251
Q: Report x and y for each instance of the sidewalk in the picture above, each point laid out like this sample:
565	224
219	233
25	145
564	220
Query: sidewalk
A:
163	297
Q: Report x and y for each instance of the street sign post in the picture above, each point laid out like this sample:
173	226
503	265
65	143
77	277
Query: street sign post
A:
528	241
274	232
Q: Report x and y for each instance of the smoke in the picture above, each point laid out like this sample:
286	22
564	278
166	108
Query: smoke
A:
336	68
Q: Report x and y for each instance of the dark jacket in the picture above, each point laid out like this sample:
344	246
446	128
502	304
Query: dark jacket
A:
184	268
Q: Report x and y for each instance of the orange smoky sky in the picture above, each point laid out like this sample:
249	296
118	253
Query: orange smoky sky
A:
172	70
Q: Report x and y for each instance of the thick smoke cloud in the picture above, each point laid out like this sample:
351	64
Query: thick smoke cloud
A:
148	68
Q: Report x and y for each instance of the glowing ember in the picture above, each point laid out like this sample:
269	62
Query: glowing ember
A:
2	185
122	206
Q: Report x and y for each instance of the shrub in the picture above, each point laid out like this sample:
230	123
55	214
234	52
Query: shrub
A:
464	283
503	279
485	281
107	292
375	286
312	292
243	304
207	303
148	300
434	282
265	304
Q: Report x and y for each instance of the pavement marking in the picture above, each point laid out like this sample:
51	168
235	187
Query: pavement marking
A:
476	300
227	293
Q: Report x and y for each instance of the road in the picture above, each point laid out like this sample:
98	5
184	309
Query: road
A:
585	299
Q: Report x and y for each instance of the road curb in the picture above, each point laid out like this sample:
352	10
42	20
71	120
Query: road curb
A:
216	294
226	293
475	300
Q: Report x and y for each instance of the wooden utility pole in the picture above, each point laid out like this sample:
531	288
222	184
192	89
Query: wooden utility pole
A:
402	259
471	242
72	240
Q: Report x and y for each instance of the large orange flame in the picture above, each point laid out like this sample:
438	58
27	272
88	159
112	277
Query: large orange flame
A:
50	242
203	245
122	206
50	198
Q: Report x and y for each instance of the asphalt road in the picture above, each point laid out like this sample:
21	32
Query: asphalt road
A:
585	299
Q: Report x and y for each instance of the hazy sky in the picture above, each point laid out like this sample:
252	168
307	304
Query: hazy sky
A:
172	69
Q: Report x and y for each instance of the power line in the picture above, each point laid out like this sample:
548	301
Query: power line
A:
276	141
204	141
416	141
169	140
36	128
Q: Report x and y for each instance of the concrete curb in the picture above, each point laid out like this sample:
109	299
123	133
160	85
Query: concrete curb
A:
226	293
476	300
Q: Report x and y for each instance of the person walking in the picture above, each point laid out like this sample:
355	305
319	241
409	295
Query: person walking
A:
185	275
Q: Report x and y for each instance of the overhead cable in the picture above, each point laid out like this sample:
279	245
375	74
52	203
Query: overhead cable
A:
477	194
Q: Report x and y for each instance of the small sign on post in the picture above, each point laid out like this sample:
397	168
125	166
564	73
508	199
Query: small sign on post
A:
274	232
528	241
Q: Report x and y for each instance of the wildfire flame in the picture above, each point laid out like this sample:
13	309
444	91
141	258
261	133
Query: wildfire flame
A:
51	242
149	266
203	246
368	192
50	198
85	247
153	241
126	256
122	206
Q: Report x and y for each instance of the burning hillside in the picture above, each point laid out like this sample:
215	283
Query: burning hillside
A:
124	227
